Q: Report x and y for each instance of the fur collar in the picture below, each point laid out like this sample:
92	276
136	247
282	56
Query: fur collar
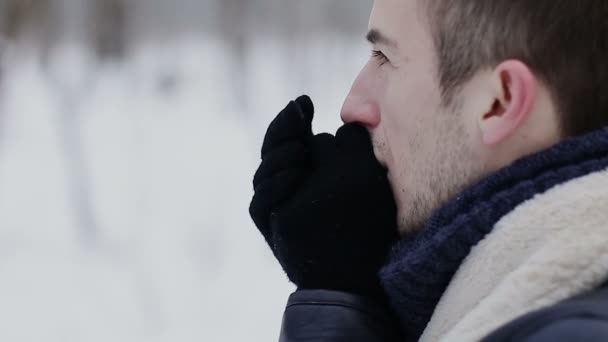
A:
421	267
548	249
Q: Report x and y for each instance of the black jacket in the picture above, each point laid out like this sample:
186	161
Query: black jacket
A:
330	316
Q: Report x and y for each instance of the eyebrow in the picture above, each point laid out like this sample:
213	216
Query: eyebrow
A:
374	36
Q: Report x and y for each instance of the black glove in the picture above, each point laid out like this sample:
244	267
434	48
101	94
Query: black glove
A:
323	203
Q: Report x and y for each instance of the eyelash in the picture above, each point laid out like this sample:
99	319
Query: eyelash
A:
380	56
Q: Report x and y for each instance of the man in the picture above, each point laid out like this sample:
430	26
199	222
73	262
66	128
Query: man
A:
486	121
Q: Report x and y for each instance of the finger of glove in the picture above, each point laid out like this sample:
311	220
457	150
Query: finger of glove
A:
353	137
292	123
308	109
291	155
271	193
322	149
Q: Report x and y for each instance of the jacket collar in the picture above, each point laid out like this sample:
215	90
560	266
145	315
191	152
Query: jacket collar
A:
421	267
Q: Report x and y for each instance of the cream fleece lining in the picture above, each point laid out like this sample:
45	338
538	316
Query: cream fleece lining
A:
548	249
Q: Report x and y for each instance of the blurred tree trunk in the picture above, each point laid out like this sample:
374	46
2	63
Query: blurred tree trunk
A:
16	16
27	20
233	27
109	29
71	74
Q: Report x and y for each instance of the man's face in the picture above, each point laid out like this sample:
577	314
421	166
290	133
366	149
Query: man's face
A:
426	146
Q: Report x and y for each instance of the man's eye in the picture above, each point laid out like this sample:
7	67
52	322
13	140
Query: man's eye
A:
380	56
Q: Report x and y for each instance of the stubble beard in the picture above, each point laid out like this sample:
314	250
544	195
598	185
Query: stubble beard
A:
451	169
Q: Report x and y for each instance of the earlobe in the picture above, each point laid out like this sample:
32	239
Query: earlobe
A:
516	88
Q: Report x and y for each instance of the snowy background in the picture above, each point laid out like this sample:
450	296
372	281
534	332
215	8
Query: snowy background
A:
129	135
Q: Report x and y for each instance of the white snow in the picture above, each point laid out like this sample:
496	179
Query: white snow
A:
124	187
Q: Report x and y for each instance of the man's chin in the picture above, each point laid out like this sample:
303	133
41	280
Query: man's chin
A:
408	226
409	230
405	230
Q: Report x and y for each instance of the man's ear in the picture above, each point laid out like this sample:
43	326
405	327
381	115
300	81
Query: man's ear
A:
515	94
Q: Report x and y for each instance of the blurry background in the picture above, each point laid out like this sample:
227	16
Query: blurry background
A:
129	134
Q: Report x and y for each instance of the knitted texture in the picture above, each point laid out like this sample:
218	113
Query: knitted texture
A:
421	267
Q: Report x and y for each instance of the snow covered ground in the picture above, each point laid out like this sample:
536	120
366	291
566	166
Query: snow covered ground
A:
124	187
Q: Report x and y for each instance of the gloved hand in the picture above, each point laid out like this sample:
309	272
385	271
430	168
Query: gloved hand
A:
323	203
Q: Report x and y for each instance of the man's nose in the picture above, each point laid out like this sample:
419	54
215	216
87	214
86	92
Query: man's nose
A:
361	105
357	109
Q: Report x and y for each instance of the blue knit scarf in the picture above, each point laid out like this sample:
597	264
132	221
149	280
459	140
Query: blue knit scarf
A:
421	267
